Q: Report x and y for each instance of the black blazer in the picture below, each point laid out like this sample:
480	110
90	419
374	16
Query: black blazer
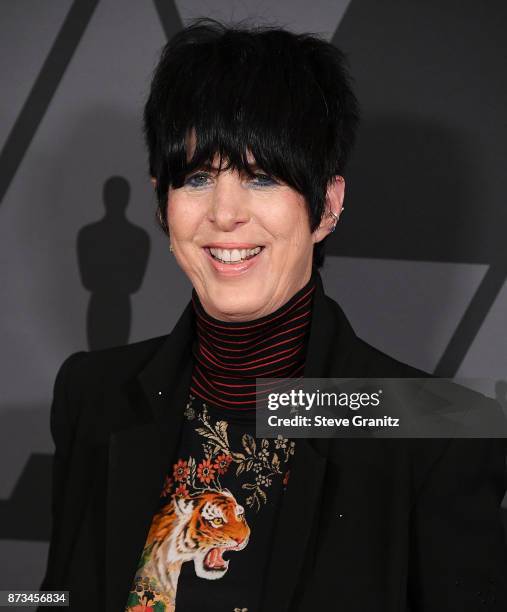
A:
366	525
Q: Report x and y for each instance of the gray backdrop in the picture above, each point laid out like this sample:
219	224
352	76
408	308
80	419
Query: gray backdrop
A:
418	260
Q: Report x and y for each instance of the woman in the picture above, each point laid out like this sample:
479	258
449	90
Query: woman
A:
163	498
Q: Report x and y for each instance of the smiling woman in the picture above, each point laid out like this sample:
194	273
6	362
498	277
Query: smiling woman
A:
164	497
243	238
231	169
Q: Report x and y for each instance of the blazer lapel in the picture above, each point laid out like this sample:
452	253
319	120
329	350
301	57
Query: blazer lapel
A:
327	355
141	453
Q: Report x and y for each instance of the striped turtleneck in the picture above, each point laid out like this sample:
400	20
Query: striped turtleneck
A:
229	356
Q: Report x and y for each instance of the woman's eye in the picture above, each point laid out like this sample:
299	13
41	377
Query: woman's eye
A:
200	179
196	180
264	179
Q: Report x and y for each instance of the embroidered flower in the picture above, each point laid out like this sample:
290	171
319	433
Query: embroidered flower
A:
166	489
292	446
181	470
205	471
264	454
181	491
280	441
222	463
257	457
262	479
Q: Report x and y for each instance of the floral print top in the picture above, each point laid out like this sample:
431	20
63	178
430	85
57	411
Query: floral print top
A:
209	542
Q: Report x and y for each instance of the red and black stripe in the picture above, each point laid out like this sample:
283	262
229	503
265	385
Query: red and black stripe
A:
229	356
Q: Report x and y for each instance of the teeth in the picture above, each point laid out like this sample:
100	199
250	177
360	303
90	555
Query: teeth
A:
234	255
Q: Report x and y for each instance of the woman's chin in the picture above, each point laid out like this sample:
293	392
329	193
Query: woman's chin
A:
227	302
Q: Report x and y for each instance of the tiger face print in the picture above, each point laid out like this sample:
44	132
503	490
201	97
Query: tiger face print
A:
198	528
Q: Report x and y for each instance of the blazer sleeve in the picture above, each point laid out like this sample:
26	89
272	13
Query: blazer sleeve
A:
62	435
458	552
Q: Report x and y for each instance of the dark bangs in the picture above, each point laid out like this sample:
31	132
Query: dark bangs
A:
284	97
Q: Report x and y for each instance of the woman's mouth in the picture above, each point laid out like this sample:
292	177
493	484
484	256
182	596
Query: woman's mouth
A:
233	256
231	262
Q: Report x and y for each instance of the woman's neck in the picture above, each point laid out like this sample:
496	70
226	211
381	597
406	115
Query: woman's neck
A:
229	356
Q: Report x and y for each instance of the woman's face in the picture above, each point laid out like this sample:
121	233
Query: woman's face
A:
216	219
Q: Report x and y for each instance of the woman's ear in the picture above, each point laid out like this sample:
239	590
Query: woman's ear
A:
335	195
153	182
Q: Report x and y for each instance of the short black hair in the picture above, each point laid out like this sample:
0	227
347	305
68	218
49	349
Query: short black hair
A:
285	96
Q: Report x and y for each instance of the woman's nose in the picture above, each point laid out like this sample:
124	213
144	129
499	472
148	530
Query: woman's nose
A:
228	205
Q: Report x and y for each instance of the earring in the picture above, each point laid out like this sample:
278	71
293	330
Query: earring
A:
336	217
171	250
